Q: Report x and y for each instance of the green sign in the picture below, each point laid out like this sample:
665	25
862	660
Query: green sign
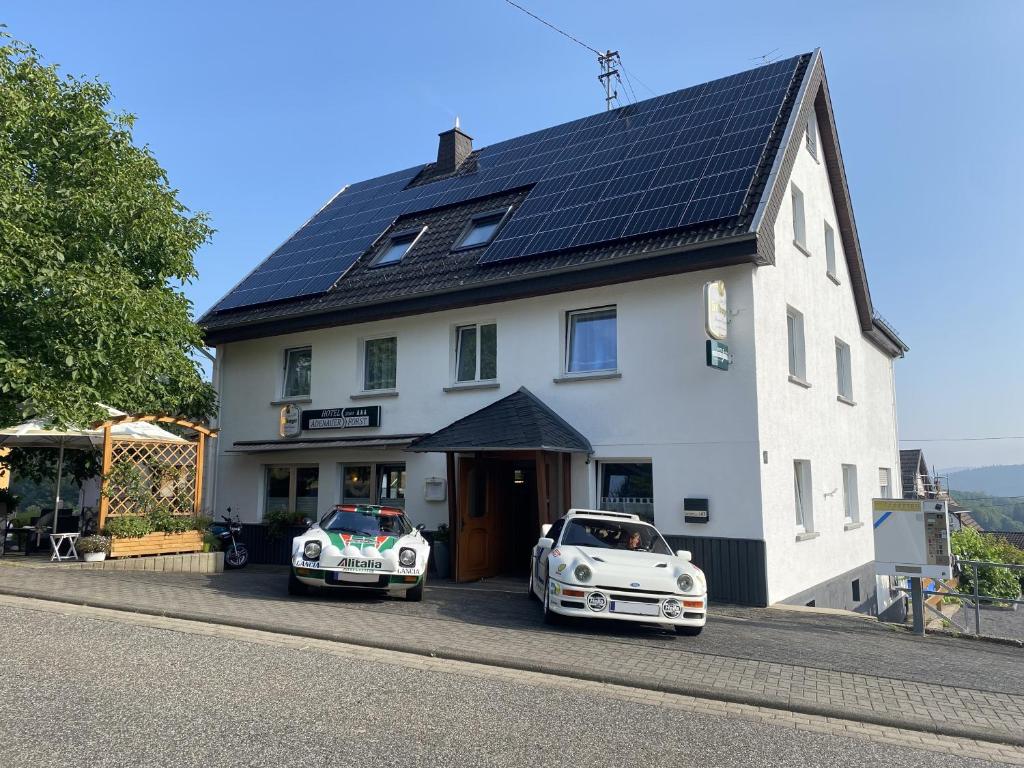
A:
717	354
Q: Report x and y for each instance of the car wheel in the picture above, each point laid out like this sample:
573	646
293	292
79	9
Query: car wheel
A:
550	617
415	595
296	587
688	631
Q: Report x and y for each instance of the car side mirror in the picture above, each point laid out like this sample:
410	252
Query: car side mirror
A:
307	522
421	527
545	543
685	554
544	529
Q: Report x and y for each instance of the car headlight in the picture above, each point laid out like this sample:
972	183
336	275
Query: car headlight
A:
407	557
685	583
582	572
312	550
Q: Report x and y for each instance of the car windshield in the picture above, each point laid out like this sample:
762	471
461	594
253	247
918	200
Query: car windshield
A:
367	521
614	534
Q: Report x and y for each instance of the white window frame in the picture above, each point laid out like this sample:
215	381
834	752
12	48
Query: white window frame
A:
851	508
456	352
288	352
803	496
799	218
413	235
501	214
830	252
844	371
362	363
884	483
796	348
293	470
602	466
375	475
567	339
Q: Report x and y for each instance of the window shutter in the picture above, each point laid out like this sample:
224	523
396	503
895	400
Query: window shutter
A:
883	476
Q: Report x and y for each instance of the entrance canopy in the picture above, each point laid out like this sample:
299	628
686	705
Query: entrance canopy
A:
519	422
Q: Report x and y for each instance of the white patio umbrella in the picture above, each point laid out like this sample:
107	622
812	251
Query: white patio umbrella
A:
40	433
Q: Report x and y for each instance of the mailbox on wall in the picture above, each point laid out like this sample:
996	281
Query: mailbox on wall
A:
912	538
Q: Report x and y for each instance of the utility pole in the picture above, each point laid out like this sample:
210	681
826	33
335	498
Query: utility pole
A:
609	62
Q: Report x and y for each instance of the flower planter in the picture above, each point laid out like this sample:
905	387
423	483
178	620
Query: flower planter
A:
94	557
157	544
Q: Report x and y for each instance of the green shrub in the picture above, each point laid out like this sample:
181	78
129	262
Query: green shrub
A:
969	544
278	520
88	544
128	527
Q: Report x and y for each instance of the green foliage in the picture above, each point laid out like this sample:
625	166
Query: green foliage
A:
9	499
278	520
994	513
969	544
210	543
95	249
88	544
128	527
39	466
442	532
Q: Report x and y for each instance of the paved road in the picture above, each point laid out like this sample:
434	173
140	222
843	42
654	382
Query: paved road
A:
806	662
131	694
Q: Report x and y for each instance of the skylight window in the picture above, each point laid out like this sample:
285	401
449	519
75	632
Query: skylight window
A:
481	229
399	245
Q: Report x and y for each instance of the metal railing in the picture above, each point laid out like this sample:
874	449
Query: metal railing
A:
975	598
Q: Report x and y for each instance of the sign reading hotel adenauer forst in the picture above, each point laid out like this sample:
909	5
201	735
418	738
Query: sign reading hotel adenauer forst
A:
342	418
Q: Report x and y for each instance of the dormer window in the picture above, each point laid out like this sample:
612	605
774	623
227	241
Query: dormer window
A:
399	245
481	229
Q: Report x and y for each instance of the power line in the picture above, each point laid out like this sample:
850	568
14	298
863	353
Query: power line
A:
552	26
958	439
645	85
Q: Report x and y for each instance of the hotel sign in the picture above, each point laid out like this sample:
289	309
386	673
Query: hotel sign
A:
289	421
716	310
342	418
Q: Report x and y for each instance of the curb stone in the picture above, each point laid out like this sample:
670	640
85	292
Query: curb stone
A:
905	722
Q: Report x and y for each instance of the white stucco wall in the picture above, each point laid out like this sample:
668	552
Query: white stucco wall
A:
810	423
696	424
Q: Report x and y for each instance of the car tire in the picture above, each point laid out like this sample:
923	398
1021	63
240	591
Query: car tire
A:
688	631
295	587
550	617
415	595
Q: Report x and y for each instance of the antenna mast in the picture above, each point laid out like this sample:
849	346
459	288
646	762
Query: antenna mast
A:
609	62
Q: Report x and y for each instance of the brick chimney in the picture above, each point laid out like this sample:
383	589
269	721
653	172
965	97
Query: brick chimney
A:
452	149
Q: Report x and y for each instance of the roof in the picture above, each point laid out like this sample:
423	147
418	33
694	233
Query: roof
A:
1013	538
333	251
912	464
298	444
517	422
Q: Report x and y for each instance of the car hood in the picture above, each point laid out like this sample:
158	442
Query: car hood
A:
633	570
337	546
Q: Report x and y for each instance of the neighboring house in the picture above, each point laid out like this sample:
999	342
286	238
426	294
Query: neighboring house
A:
917	482
507	332
1013	538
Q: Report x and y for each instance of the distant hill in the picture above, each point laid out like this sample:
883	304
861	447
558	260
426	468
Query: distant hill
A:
1005	480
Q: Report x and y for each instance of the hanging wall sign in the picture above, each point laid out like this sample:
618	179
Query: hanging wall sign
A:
716	310
342	418
717	354
696	511
290	422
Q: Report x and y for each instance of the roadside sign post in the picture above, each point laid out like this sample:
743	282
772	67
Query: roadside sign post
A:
917	605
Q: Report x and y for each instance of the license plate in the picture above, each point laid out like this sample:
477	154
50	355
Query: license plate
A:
334	577
637	609
361	565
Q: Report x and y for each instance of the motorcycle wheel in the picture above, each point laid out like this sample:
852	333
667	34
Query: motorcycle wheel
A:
236	556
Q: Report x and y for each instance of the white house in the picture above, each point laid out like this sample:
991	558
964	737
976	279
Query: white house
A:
506	332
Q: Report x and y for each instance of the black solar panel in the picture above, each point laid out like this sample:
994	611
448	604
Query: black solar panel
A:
674	161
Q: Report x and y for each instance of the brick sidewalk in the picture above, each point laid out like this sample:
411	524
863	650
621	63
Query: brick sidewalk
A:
493	627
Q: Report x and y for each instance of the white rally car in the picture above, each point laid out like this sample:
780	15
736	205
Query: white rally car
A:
607	565
361	547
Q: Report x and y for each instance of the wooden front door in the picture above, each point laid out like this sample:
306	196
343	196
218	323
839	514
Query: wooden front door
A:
478	527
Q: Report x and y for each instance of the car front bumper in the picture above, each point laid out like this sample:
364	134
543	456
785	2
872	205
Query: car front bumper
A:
628	605
341	578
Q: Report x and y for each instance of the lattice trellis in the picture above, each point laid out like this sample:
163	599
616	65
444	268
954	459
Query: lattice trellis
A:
168	469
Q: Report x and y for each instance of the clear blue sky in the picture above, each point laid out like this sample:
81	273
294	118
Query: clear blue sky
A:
260	112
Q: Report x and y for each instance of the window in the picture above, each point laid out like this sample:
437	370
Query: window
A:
480	230
380	363
855	588
850	493
382	484
795	338
884	483
844	378
298	366
292	489
811	137
556	529
628	487
476	352
830	251
799	226
627	535
591	344
399	245
802	495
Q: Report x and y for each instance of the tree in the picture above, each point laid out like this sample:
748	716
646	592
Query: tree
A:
94	250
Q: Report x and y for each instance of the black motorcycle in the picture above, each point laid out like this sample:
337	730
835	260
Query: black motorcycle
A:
236	554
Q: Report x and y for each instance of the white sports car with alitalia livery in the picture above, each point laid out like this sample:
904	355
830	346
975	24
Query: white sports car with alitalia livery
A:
361	547
609	565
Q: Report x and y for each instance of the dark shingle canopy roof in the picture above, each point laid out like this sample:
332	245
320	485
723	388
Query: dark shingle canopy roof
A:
912	464
518	422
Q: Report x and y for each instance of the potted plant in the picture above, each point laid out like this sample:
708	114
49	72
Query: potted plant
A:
93	548
440	552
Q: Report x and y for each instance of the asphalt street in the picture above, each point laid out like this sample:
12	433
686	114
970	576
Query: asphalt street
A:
111	692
